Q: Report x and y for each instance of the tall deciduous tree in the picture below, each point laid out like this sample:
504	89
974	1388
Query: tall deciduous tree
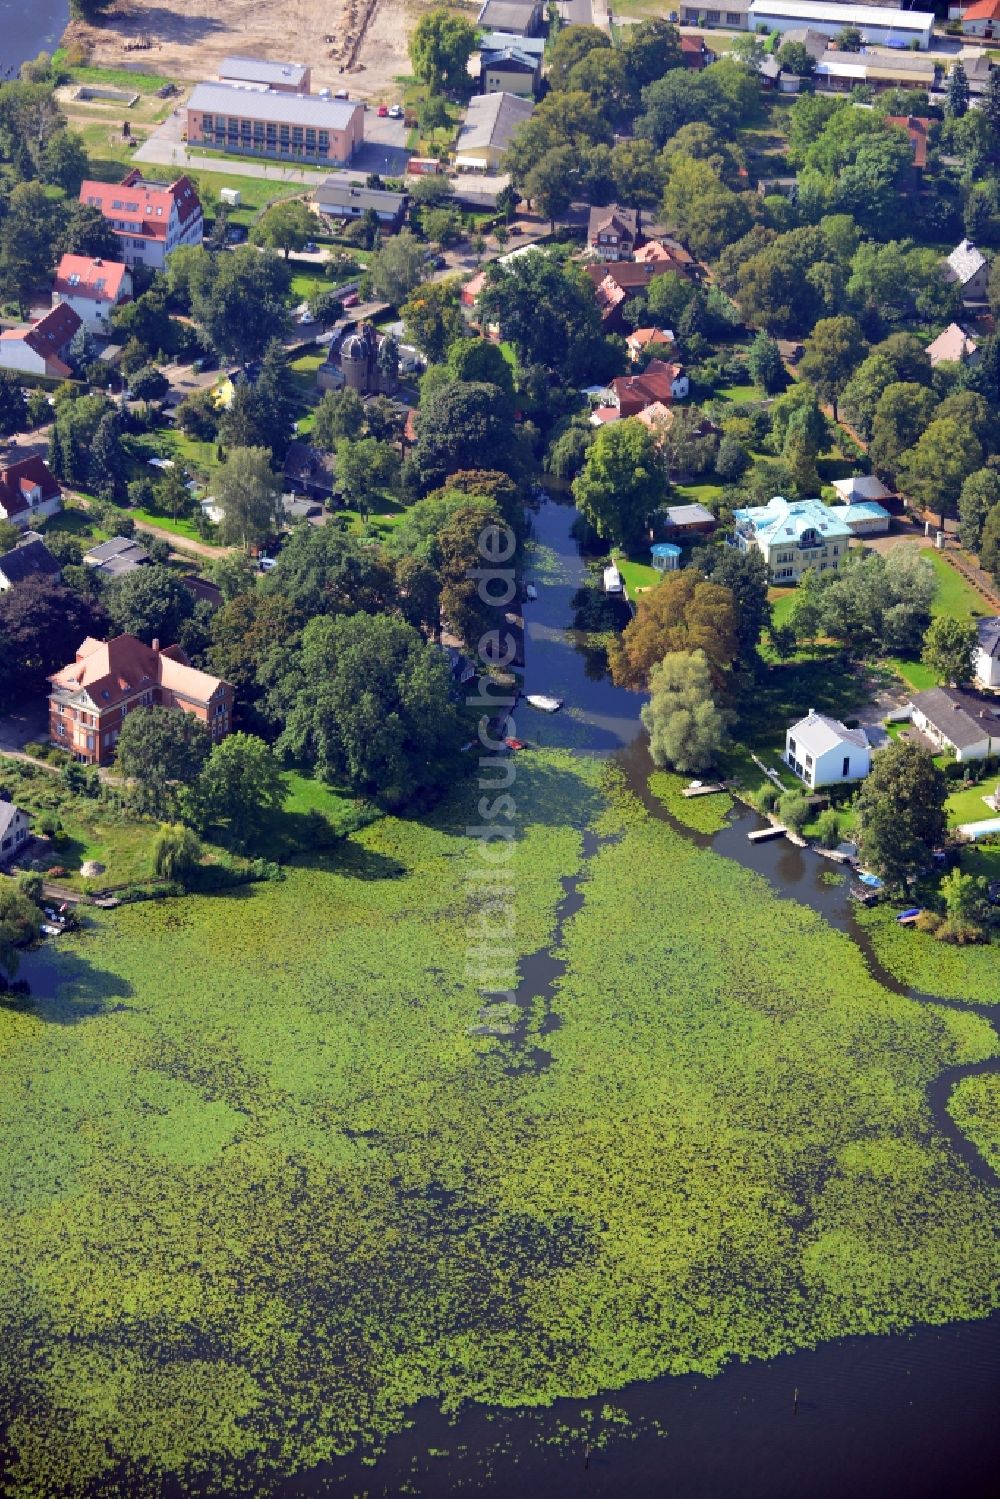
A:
241	781
248	493
150	602
949	648
900	812
285	227
980	494
440	47
159	751
432	316
621	482
41	626
376	711
684	612
686	727
833	351
397	268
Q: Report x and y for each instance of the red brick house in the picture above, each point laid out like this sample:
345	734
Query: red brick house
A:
108	679
28	492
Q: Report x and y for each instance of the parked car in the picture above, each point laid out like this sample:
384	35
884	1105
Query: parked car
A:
204	362
351	300
312	248
383	110
342	93
267	563
395	111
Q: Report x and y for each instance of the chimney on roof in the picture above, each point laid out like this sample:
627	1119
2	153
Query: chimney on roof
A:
156	645
98	260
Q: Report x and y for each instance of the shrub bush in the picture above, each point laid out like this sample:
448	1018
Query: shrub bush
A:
766	796
828	828
793	809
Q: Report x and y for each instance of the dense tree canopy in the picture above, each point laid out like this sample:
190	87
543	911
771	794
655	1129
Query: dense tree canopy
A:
900	812
622	481
684	612
374	711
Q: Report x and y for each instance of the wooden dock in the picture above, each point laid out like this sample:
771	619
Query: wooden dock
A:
712	790
776	830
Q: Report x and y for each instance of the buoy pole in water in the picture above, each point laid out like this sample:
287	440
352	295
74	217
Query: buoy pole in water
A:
795	1403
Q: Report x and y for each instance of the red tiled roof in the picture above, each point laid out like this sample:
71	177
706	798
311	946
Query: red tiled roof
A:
149	202
983	10
916	127
111	670
635	392
80	276
50	336
20	478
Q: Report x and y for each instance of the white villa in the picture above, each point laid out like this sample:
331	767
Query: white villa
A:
823	752
793	536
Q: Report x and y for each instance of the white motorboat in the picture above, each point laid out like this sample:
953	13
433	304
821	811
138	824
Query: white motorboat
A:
542	703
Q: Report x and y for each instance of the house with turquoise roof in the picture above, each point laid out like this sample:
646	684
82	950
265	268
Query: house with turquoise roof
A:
793	535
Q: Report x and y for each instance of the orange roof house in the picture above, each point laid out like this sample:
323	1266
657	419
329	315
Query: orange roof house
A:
916	127
150	218
642	340
109	679
92	287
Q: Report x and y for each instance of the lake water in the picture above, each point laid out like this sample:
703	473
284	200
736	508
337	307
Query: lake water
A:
28	27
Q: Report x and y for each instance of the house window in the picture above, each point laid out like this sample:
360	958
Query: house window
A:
809	762
791	747
847	766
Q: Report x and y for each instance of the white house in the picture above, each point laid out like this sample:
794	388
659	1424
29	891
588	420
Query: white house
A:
953	346
150	218
41	348
959	722
824	752
793	535
93	288
15	831
968	267
863	517
986	662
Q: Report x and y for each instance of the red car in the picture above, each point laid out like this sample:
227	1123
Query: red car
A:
351	300
383	110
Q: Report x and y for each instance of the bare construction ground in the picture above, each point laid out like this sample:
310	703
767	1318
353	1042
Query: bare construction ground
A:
358	44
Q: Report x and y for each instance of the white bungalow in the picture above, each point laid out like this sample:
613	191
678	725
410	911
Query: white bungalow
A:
824	752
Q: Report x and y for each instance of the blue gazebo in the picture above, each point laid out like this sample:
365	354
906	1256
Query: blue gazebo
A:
666	556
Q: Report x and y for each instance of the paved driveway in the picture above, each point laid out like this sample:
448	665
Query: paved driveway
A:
23	725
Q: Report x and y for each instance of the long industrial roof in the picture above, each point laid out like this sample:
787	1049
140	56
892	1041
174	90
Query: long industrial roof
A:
265	104
846	15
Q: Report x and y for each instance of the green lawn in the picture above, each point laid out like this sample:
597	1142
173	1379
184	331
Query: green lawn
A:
914	673
736	393
182	527
966	804
954	597
637	574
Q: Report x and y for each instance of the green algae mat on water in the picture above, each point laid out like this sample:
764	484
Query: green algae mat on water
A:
920	961
262	1188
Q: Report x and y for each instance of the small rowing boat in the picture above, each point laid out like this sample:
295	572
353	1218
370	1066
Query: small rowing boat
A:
542	703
